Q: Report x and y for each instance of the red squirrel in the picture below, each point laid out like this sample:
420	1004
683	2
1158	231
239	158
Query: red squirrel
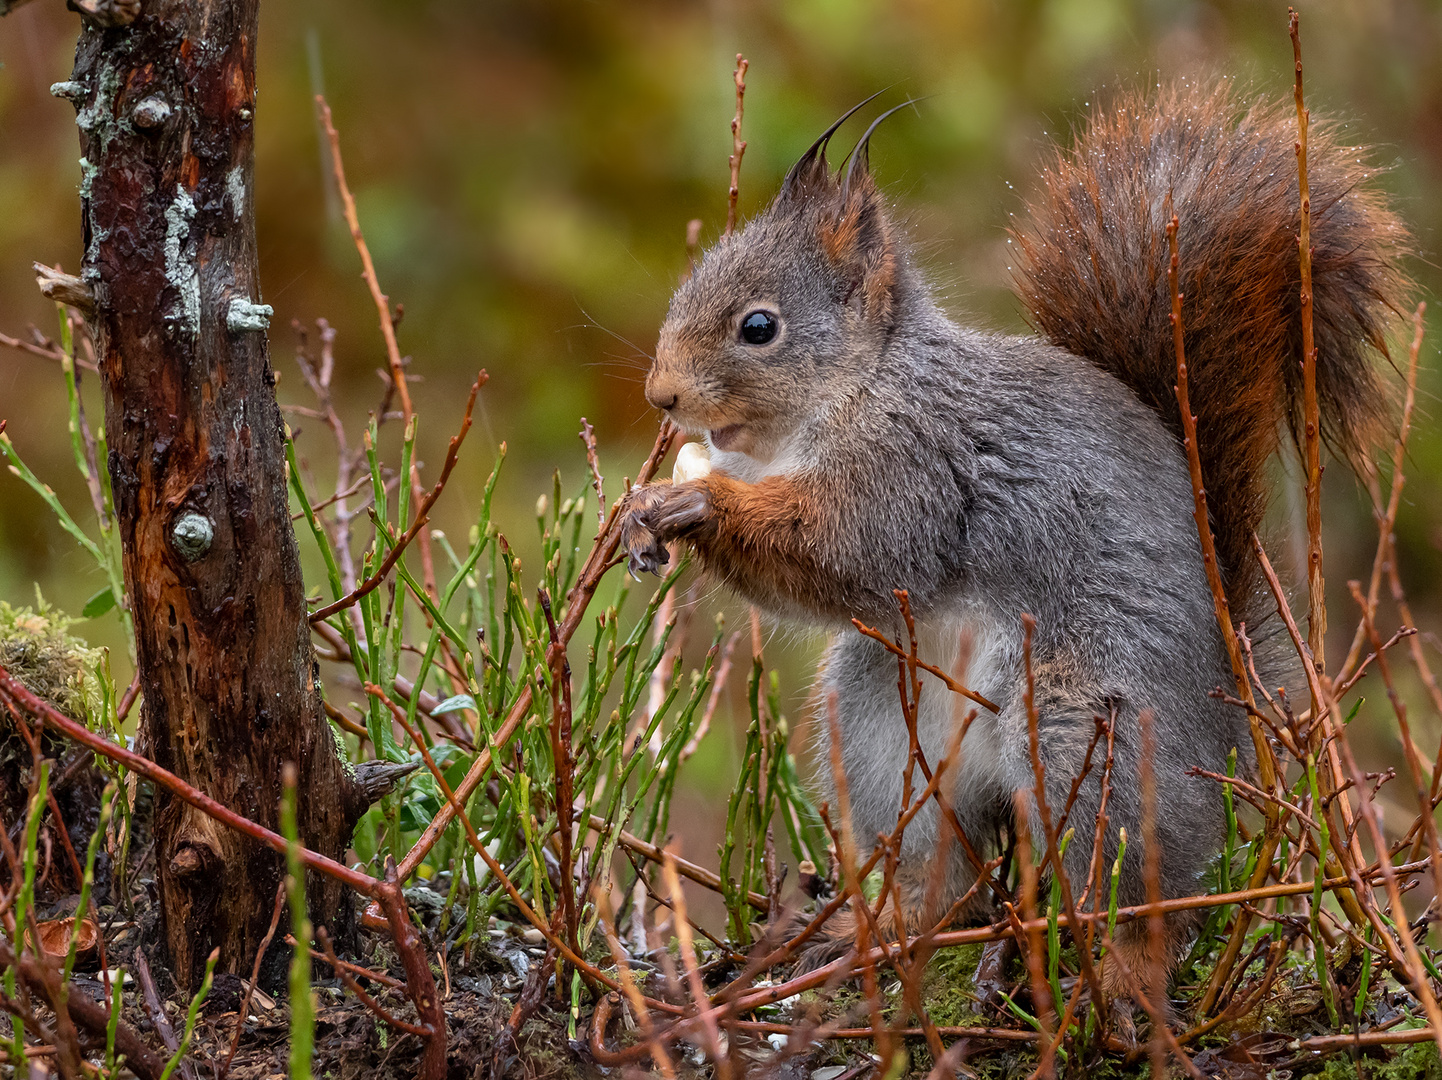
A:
862	442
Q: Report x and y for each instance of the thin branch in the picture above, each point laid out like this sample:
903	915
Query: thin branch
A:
16	693
1311	417
368	270
738	147
951	684
600	560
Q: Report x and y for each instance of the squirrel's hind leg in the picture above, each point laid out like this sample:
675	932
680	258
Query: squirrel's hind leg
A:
1070	704
859	680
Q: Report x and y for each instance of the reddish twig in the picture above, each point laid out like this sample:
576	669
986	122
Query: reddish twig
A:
127	700
420	984
527	912
1258	797
687	949
368	269
1199	492
717	685
1266	761
16	692
659	1057
1371	814
951	684
422	516
1388	519
1409	747
224	1068
355	969
343	973
41	976
699	874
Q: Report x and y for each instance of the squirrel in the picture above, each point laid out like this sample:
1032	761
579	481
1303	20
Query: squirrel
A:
862	442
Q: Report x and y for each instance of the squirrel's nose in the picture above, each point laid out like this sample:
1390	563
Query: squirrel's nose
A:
661	393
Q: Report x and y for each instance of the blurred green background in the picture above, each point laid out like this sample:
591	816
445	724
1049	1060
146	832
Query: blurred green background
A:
525	171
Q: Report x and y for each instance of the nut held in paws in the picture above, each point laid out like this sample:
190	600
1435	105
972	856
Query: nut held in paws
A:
693	461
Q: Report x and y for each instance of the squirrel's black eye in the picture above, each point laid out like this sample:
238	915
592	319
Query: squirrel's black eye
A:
758	328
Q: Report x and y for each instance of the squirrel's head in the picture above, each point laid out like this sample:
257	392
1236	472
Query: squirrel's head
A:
778	313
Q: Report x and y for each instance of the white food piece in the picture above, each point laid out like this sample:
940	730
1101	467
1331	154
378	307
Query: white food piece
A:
693	461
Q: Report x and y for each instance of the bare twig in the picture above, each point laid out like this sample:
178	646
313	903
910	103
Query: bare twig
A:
18	694
1311	419
951	684
719	1056
368	269
43	978
1388	518
1409	747
738	146
155	1009
420	984
343	973
223	1070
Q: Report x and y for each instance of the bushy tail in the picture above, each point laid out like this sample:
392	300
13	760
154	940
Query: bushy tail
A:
1092	274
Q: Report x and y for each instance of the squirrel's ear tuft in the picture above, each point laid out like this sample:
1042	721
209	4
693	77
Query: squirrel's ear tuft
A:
810	176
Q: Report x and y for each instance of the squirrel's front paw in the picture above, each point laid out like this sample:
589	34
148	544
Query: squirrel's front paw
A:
655	515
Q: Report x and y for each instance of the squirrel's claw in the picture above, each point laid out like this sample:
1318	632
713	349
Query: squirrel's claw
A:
647	561
653	516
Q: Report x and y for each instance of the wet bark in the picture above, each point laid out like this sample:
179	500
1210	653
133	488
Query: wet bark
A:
166	110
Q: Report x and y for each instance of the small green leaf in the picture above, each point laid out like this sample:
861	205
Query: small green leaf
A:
455	704
98	604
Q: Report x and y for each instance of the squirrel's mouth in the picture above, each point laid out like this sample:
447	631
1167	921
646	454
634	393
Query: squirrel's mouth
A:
726	438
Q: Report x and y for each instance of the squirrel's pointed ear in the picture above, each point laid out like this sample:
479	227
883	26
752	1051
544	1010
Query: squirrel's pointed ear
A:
860	239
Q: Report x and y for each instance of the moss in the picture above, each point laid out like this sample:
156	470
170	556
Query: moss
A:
1418	1061
948	988
36	646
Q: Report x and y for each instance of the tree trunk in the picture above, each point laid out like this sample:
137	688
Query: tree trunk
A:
197	461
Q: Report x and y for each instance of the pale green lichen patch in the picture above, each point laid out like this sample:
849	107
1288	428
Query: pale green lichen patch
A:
245	317
97	118
235	188
180	269
948	990
87	177
1417	1061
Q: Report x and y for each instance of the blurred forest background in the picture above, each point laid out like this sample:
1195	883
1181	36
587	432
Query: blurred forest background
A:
525	171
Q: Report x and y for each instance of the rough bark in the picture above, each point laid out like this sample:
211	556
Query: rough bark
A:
166	113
